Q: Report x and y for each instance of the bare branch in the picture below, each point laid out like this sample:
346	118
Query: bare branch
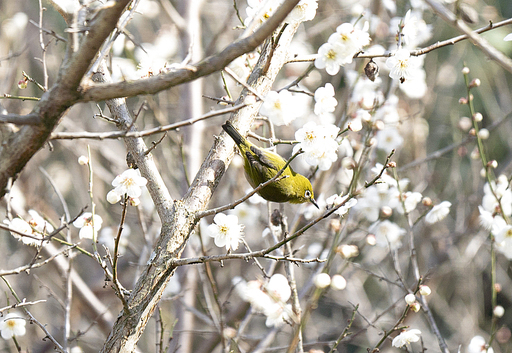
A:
185	74
450	18
156	130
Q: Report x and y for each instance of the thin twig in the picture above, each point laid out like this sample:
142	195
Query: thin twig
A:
58	346
119	134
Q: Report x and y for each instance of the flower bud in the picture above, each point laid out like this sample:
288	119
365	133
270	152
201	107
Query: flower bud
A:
475	83
348	251
355	125
134	201
465	70
472	132
483	134
415	307
371	240
379	125
338	282
475	154
492	164
463	100
322	280
498	311
478	117
386	211
425	290
22	84
348	163
465	123
229	332
410	299
335	225
113	197
83	160
426	201
483	172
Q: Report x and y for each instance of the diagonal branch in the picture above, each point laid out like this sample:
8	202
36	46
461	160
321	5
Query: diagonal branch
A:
190	72
450	18
18	148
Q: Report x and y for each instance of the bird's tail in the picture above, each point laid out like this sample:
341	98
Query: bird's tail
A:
235	135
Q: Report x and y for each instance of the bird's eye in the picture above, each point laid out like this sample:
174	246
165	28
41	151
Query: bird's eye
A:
307	194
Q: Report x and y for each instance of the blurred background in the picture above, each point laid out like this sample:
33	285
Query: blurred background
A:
453	255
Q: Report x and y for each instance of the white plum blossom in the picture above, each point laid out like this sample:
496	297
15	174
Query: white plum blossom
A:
305	10
486	218
503	192
416	86
34	230
508	37
329	57
226	231
335	200
406	337
318	142
281	108
13	324
341	47
269	299
89	225
129	182
402	65
261	8
388	112
387	234
438	212
411	200
503	236
351	39
414	29
389	139
366	93
325	103
360	116
478	345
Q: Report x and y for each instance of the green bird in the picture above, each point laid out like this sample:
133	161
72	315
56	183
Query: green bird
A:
261	165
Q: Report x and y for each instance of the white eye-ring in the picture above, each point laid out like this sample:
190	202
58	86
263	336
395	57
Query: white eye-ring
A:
307	194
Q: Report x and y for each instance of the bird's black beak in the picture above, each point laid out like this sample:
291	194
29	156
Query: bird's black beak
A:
312	200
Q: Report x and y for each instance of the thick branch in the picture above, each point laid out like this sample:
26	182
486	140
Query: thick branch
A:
181	219
20	146
205	67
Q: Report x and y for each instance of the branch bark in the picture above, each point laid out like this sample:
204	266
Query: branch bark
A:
17	149
178	223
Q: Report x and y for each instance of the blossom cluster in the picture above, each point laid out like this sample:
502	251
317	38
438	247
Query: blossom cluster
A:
318	142
31	232
495	209
385	197
260	10
341	47
267	298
